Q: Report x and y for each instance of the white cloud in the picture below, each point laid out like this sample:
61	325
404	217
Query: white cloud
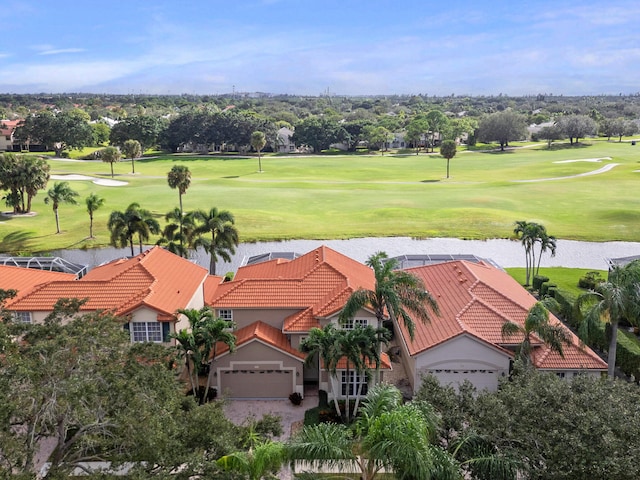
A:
58	51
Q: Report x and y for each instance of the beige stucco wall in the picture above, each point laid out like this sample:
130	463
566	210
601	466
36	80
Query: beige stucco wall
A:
463	357
256	355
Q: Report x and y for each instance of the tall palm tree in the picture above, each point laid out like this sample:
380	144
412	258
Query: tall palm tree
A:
526	232
93	202
133	221
612	301
220	224
61	192
398	294
537	323
258	141
215	332
179	177
388	435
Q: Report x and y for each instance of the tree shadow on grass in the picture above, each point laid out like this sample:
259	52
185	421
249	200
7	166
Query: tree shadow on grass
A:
566	146
16	242
429	181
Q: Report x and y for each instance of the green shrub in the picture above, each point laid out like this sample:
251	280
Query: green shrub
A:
544	288
566	309
628	354
590	280
538	280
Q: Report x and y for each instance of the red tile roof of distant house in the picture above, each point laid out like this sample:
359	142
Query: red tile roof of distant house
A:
8	126
156	278
25	279
385	363
477	299
316	284
265	333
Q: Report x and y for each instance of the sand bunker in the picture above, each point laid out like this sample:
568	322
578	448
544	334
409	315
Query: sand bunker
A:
70	177
98	181
604	169
109	183
593	160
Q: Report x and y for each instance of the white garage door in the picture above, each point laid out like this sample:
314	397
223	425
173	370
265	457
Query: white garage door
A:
257	383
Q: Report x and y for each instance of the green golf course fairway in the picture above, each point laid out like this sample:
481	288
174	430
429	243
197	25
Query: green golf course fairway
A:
346	196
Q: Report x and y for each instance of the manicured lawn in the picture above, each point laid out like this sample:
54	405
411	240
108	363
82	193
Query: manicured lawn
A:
340	196
565	278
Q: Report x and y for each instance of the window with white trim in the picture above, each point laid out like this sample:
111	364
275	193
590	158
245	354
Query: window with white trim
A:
352	323
354	379
146	332
22	317
225	314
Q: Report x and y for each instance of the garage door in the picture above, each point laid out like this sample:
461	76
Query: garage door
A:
257	383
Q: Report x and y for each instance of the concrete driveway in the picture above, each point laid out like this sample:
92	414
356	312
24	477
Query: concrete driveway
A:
242	411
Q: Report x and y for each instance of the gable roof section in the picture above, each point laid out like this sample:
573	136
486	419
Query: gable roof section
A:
156	278
25	279
317	284
264	333
478	299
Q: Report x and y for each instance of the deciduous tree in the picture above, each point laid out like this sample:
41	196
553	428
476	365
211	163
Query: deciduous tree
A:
502	127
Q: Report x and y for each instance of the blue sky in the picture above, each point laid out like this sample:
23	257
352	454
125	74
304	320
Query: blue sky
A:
349	47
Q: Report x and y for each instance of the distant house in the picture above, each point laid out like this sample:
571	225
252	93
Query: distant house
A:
146	290
284	139
7	127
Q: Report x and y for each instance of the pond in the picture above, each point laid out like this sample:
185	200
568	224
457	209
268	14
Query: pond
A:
506	253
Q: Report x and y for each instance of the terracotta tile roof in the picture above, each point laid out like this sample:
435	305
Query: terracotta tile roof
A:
385	363
25	279
262	332
318	283
8	126
156	278
478	299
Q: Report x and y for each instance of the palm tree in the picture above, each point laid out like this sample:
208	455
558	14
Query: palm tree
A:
258	141
537	322
321	345
387	435
111	155
224	235
530	233
133	221
612	301
526	232
186	345
368	339
60	193
94	202
177	233
132	149
215	331
397	293
179	177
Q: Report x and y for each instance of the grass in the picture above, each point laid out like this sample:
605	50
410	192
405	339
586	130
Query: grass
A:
565	278
343	196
